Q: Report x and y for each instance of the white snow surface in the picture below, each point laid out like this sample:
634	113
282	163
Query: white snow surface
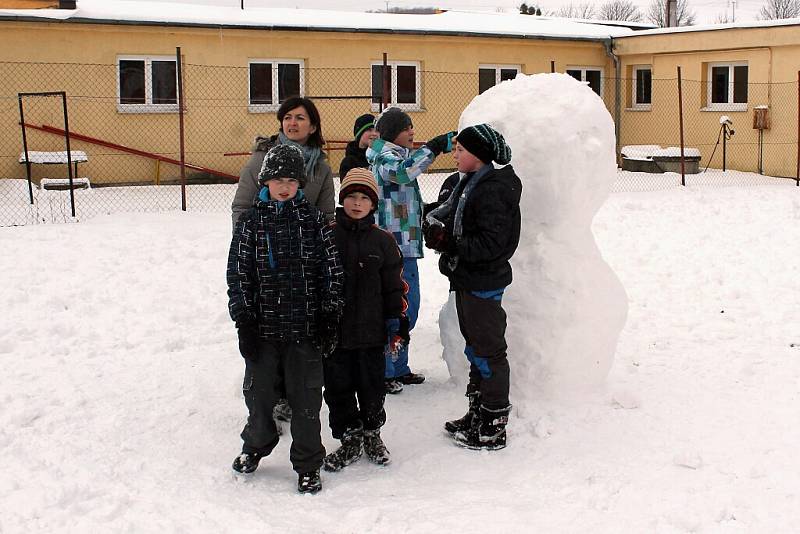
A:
121	407
286	18
574	307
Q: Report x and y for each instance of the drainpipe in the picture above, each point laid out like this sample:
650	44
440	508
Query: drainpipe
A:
609	45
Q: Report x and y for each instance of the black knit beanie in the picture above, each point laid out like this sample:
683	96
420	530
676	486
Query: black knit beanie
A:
363	123
283	161
391	122
485	143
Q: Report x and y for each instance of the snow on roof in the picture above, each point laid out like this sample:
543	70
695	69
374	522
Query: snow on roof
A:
449	22
714	27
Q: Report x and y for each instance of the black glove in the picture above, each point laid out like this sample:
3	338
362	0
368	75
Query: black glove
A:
429	207
327	334
441	143
248	341
436	237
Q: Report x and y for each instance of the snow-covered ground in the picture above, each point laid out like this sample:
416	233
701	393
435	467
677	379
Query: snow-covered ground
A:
120	400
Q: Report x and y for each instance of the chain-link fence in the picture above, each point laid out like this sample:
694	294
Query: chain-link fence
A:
132	137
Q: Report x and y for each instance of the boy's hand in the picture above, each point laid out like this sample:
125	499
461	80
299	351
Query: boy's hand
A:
248	341
397	335
441	143
436	237
328	334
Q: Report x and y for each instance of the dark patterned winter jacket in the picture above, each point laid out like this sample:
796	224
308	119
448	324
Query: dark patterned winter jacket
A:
374	289
490	233
284	271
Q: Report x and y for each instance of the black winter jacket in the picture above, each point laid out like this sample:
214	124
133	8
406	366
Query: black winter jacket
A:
374	289
284	271
490	234
353	157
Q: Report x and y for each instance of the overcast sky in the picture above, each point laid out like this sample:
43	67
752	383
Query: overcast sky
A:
706	10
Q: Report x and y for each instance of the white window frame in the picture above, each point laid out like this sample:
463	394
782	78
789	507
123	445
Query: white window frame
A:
148	106
730	105
271	108
417	106
584	69
634	92
497	68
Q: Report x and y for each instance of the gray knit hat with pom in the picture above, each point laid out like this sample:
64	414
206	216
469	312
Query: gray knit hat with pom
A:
283	161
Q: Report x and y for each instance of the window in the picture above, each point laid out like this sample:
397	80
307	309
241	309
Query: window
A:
727	86
147	84
593	75
491	75
272	81
642	90
403	85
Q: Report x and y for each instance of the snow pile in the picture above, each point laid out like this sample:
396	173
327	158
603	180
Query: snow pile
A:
566	306
647	152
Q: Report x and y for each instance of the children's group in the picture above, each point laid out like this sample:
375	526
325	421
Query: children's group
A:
324	299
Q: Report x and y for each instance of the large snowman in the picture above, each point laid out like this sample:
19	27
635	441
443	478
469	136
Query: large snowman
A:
565	307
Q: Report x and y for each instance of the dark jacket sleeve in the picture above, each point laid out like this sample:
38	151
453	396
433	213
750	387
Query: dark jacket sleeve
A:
493	208
393	287
241	275
332	272
348	162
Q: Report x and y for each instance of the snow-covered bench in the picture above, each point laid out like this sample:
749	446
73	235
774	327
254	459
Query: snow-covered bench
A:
58	158
653	158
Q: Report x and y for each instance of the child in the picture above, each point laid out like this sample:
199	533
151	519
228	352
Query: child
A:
477	231
396	166
284	288
374	312
355	154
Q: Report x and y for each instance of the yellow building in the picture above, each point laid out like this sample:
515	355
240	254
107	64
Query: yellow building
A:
118	67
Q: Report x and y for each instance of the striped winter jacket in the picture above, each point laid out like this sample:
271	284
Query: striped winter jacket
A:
284	270
400	205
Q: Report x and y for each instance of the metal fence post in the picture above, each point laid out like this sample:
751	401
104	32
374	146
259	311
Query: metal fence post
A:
180	127
25	148
386	96
680	119
797	172
69	154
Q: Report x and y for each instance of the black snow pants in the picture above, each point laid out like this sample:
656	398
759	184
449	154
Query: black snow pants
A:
299	365
354	389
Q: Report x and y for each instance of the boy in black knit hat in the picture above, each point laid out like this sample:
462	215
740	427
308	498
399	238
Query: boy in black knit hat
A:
285	295
374	317
355	154
476	230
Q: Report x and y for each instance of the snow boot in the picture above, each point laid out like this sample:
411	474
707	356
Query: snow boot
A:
392	386
374	447
309	482
489	434
411	378
247	462
351	450
470	418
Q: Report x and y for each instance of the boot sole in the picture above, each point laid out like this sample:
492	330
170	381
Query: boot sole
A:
334	469
478	447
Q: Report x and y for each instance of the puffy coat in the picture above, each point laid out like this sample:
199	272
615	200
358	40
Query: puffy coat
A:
490	234
354	156
284	271
374	289
318	189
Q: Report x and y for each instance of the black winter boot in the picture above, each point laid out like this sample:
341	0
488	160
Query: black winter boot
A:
351	450
470	418
374	447
309	482
490	434
246	462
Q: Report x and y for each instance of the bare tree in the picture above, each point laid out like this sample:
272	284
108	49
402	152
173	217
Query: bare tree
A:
575	11
779	9
620	10
657	13
723	18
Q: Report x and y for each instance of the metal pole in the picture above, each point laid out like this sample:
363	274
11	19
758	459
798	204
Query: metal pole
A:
797	175
552	66
724	145
180	128
69	154
680	115
386	95
25	148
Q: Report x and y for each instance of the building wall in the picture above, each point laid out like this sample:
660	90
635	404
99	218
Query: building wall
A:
216	85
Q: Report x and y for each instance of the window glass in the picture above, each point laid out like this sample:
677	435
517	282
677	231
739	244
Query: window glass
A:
131	82
261	83
740	84
644	81
719	85
575	74
165	82
406	84
377	83
288	80
507	74
486	78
